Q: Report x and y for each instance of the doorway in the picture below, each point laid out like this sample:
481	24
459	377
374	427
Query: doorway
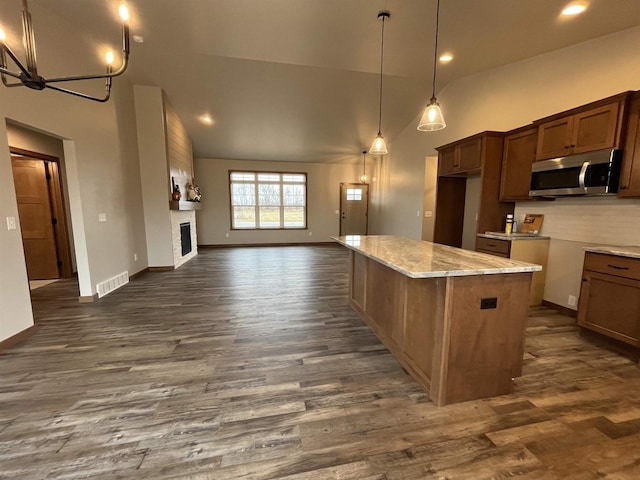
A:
42	215
354	208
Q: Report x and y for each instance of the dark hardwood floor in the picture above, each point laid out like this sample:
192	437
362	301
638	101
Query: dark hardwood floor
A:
249	363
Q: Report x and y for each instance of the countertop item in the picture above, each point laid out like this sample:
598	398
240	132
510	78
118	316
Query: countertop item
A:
420	259
512	236
621	251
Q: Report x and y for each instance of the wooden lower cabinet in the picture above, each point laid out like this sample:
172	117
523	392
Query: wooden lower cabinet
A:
534	251
437	330
610	297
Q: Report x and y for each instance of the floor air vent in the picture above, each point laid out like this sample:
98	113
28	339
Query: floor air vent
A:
112	284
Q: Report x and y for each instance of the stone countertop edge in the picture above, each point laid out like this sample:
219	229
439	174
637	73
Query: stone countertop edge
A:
506	236
619	251
505	266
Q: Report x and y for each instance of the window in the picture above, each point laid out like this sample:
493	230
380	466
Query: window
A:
354	194
268	200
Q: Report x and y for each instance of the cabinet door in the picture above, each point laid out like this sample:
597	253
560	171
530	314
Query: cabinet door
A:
595	129
630	176
554	138
611	306
518	154
447	161
469	155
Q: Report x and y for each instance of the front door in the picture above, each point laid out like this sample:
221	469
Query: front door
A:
36	220
354	208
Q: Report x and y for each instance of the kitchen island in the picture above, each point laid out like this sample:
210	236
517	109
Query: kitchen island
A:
454	318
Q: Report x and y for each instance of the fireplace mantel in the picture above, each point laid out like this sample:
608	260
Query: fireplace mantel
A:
182	205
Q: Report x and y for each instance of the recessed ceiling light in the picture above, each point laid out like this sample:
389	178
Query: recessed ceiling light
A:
138	38
574	8
206	119
446	57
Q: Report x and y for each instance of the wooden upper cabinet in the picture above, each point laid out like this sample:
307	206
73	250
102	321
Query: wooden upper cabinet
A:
630	175
518	153
464	156
584	129
447	161
554	138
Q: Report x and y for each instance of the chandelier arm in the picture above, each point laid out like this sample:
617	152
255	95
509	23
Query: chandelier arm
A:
6	83
15	59
29	40
4	71
84	95
117	73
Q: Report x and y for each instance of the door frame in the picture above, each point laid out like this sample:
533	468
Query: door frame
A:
346	184
56	198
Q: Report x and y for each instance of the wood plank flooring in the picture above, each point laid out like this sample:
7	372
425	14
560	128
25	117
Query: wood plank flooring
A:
249	363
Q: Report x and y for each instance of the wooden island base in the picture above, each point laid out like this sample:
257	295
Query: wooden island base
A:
446	331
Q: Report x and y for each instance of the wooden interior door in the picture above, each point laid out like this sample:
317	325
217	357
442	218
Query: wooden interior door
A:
354	208
36	219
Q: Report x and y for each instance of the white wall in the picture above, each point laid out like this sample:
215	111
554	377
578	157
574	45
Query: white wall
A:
323	190
154	168
505	98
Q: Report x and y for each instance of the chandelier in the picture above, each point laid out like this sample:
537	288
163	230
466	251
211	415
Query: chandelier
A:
28	75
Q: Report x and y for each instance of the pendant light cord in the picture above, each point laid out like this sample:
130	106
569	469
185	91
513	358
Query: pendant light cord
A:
435	50
381	63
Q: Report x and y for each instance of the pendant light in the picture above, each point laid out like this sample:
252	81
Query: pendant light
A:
378	147
363	177
432	118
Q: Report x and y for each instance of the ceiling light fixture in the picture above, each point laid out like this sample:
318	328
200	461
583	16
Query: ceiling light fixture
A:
363	177
206	119
574	8
432	118
378	147
446	58
28	74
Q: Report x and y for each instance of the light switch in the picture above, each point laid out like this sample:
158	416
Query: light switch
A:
11	223
102	217
337	212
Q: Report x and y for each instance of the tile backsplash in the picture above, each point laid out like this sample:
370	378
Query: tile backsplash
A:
605	220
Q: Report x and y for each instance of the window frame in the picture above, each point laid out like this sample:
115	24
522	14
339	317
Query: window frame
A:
256	182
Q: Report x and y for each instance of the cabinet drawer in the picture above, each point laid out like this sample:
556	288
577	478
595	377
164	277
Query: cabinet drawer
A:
612	265
490	245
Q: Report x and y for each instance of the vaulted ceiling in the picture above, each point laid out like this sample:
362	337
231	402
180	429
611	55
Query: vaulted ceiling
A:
297	80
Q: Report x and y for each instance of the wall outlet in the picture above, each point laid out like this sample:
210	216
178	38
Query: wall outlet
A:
573	301
310	233
102	217
135	257
11	223
337	212
227	235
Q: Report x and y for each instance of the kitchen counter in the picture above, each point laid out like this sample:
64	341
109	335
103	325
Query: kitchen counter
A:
620	251
512	236
453	318
419	259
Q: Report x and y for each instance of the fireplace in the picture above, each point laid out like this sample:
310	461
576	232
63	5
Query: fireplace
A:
185	238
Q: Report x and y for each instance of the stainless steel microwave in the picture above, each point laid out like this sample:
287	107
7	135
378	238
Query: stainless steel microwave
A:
596	173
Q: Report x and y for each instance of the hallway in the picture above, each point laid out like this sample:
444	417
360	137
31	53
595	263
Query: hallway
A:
250	363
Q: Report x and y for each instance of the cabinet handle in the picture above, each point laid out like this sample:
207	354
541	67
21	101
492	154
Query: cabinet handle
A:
491	245
617	267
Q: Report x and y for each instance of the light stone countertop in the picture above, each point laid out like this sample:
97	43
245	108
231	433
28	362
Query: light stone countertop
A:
512	236
620	251
419	259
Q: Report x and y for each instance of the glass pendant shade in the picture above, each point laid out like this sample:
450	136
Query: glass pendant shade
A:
432	118
363	178
378	147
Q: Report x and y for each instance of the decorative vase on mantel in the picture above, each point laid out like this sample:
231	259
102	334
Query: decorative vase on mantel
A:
176	195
